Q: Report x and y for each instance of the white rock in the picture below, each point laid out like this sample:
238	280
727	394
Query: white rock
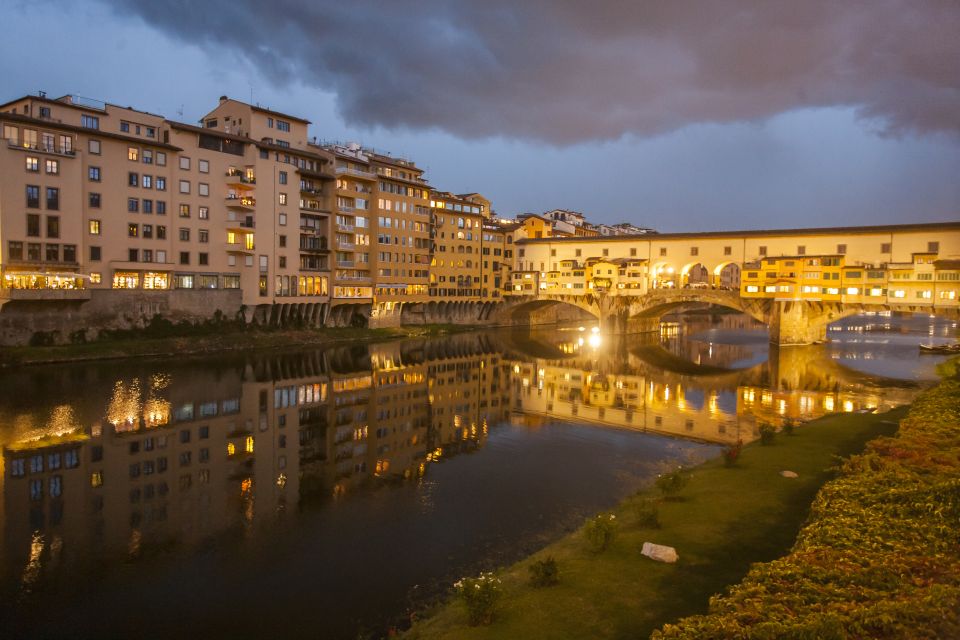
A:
789	474
659	552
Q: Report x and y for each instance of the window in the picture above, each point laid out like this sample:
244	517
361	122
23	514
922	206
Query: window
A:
133	230
184	186
762	251
93	174
32	164
93	146
801	250
89	122
283	219
184	257
933	247
203	213
33	225
283	198
147	231
33	196
53	198
694	251
15	250
53	226
147	156
203	166
94	200
94	227
161	232
202	258
161	208
185	163
204	235
147	181
124	127
160	184
184	211
53	253
133	205
663	252
841	249
148	206
203	189
283	125
283	177
161	159
95	254
133	154
133	255
606	252
184	235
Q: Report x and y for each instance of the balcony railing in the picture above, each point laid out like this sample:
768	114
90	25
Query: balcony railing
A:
13	143
243	202
345	263
313	244
356	172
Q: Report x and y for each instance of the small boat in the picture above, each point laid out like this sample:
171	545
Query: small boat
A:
940	348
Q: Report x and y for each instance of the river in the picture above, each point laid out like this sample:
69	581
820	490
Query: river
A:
330	492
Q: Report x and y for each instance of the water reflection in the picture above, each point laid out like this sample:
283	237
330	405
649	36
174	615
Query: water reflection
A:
109	464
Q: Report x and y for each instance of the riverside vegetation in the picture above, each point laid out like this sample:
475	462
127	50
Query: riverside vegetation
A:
720	519
880	554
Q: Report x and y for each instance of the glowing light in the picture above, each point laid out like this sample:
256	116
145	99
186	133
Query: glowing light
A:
594	341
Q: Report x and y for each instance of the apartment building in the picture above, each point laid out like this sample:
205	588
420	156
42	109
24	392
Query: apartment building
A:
456	267
98	197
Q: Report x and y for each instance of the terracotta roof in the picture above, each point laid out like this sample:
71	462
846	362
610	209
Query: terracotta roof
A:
927	226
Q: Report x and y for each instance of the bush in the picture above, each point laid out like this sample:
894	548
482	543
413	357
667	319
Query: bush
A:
767	434
672	483
600	531
648	514
43	338
788	427
732	453
880	554
544	573
480	596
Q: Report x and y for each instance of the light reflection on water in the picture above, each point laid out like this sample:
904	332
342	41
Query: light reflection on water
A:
349	484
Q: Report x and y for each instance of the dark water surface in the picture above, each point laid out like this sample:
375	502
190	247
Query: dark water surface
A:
328	493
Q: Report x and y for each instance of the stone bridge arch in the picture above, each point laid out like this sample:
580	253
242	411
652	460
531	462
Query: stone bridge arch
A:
525	309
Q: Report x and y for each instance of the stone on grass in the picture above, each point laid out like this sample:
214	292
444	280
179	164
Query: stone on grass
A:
789	474
659	552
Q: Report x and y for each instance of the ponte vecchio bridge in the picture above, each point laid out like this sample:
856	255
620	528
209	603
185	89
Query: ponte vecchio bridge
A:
796	281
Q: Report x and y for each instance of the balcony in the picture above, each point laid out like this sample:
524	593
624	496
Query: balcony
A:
246	203
240	180
13	143
358	173
312	191
345	263
44	294
241	225
313	244
349	228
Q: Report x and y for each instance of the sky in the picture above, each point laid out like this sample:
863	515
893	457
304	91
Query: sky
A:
681	115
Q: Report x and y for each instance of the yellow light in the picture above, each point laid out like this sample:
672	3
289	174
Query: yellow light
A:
231	449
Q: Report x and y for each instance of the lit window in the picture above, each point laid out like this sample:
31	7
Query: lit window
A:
133	154
94	226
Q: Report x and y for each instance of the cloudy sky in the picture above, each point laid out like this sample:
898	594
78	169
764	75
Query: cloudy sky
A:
671	114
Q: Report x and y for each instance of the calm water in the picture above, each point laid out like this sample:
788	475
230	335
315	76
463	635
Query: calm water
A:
329	493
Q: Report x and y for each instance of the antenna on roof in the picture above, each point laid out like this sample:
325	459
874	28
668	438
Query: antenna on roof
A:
42	94
180	112
251	94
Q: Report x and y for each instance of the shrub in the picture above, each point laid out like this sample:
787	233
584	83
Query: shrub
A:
788	427
544	573
767	433
732	453
672	483
879	556
648	514
600	531
480	596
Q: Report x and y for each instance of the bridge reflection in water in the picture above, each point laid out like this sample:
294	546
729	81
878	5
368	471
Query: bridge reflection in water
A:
105	463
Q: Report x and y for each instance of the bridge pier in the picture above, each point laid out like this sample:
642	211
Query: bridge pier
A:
795	323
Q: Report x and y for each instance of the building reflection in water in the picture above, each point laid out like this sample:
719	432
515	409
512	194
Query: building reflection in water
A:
176	459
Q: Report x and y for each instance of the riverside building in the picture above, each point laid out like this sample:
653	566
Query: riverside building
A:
120	212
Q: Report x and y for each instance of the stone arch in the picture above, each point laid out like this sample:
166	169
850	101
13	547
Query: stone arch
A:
663	275
726	275
694	273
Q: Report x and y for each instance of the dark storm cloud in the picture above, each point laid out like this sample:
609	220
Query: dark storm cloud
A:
579	70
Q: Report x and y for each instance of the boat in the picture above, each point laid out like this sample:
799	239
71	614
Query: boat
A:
940	348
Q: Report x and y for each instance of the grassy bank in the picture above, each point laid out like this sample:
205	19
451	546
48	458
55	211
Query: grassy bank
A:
880	556
215	340
721	522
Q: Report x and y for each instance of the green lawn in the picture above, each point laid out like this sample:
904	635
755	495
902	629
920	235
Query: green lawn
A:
725	519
